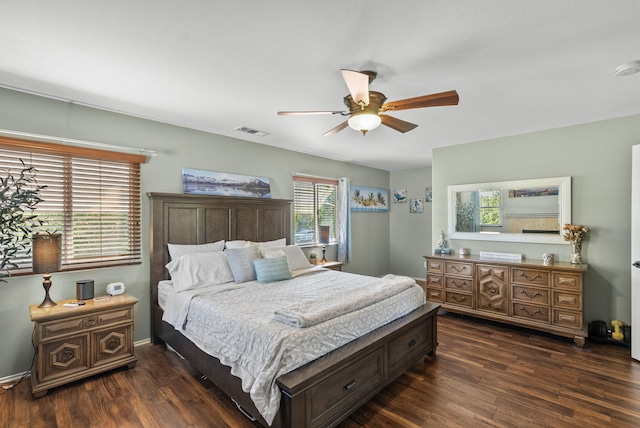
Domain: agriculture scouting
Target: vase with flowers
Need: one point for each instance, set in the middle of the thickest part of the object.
(575, 233)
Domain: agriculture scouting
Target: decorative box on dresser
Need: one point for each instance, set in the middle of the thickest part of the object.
(74, 343)
(527, 293)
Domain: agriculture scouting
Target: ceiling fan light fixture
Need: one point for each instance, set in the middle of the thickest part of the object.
(364, 122)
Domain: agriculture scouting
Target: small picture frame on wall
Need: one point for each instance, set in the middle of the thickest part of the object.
(428, 194)
(416, 205)
(400, 196)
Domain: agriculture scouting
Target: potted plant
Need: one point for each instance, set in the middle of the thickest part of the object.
(313, 258)
(19, 195)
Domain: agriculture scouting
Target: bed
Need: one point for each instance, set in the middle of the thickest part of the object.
(327, 389)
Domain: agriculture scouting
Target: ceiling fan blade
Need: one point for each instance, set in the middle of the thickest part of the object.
(299, 113)
(336, 129)
(449, 98)
(358, 84)
(397, 124)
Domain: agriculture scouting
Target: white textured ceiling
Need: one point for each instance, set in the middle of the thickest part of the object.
(519, 66)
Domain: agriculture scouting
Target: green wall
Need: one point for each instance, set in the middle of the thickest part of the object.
(410, 233)
(178, 147)
(598, 158)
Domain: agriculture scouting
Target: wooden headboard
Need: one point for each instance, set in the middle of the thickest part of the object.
(199, 219)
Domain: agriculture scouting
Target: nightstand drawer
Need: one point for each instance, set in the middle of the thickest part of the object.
(63, 357)
(111, 344)
(64, 326)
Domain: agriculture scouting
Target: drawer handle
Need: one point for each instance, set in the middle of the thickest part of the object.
(492, 290)
(536, 312)
(411, 343)
(112, 344)
(435, 280)
(67, 355)
(456, 268)
(349, 385)
(459, 300)
(464, 283)
(533, 278)
(90, 322)
(533, 296)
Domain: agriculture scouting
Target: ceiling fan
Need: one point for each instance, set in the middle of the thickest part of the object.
(365, 106)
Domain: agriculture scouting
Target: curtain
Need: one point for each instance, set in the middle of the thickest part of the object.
(344, 220)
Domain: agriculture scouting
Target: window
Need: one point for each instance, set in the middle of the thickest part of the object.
(314, 204)
(92, 198)
(490, 207)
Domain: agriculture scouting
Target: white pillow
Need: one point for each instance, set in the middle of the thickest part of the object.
(268, 244)
(241, 263)
(177, 250)
(237, 244)
(242, 244)
(194, 270)
(295, 256)
(271, 253)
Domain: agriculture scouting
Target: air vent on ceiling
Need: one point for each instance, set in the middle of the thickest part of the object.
(251, 131)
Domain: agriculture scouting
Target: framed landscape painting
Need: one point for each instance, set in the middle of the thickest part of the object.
(199, 182)
(369, 199)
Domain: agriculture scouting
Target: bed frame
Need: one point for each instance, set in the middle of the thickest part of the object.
(324, 391)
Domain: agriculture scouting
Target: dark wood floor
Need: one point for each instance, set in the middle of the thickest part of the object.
(484, 374)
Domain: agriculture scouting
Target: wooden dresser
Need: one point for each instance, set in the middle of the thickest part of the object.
(73, 343)
(528, 293)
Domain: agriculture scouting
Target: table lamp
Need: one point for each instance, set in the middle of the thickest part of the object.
(324, 240)
(47, 258)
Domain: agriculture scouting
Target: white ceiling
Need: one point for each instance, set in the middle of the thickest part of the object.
(519, 66)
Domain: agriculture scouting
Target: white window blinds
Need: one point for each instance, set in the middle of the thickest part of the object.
(92, 197)
(314, 204)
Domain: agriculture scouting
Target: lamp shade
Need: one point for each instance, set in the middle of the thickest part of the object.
(324, 234)
(47, 252)
(364, 122)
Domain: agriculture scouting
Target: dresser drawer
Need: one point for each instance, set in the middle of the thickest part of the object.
(403, 350)
(434, 294)
(567, 300)
(567, 281)
(435, 266)
(458, 268)
(567, 318)
(459, 299)
(458, 284)
(530, 277)
(435, 280)
(64, 326)
(537, 313)
(331, 396)
(530, 294)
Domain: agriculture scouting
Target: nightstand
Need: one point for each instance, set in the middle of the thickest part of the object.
(331, 265)
(74, 343)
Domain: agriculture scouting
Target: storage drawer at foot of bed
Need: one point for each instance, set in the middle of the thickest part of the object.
(404, 350)
(338, 392)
